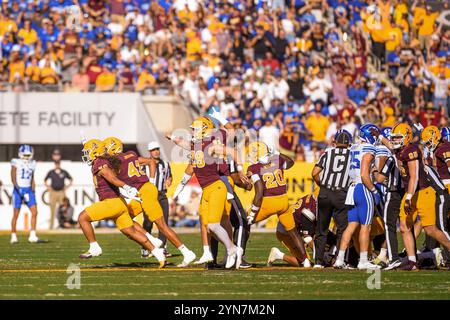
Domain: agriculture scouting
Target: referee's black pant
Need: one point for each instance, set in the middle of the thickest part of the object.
(330, 204)
(391, 212)
(148, 225)
(241, 229)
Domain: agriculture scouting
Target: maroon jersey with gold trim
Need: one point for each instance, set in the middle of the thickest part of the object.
(206, 167)
(224, 166)
(441, 157)
(104, 189)
(271, 175)
(410, 153)
(130, 171)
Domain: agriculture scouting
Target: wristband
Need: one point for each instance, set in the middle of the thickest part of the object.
(172, 137)
(374, 190)
(152, 180)
(240, 168)
(409, 196)
(254, 208)
(185, 179)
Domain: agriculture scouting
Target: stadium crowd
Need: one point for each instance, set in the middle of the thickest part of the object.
(302, 69)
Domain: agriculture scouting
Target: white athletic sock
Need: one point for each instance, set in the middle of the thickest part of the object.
(13, 235)
(149, 236)
(222, 234)
(33, 234)
(436, 250)
(206, 250)
(363, 257)
(279, 255)
(382, 254)
(341, 256)
(412, 258)
(183, 249)
(94, 246)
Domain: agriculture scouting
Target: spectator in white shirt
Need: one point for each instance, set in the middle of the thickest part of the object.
(319, 88)
(269, 134)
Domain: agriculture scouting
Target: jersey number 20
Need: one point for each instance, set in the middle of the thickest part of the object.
(274, 179)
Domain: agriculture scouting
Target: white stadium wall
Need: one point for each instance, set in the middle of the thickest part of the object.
(64, 118)
(81, 194)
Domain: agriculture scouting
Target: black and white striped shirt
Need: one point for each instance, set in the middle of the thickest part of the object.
(435, 181)
(163, 172)
(391, 171)
(335, 163)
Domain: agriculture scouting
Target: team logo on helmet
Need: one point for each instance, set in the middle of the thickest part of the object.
(113, 146)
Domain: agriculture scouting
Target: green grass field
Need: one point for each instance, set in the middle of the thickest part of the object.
(39, 272)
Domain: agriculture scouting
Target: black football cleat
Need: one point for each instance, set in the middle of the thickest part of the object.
(245, 265)
(408, 266)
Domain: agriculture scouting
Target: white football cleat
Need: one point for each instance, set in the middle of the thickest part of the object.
(306, 263)
(318, 266)
(239, 255)
(368, 266)
(273, 256)
(188, 258)
(33, 239)
(438, 257)
(158, 253)
(91, 253)
(339, 264)
(14, 239)
(205, 258)
(231, 258)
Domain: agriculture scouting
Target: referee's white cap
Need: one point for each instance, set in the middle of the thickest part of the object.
(153, 145)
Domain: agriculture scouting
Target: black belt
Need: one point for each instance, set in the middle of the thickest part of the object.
(335, 188)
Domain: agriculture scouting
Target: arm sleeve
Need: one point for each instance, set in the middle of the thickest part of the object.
(322, 160)
(68, 176)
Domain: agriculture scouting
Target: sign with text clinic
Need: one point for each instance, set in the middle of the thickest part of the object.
(61, 118)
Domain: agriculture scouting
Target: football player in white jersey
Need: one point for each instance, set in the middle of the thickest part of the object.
(362, 196)
(22, 176)
(382, 154)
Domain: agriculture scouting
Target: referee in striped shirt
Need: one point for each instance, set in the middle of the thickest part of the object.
(331, 174)
(162, 180)
(390, 176)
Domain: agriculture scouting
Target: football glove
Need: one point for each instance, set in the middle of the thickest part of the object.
(130, 193)
(218, 116)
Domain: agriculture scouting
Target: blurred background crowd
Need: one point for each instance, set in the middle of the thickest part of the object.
(294, 70)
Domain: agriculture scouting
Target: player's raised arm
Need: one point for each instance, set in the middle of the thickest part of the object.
(179, 141)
